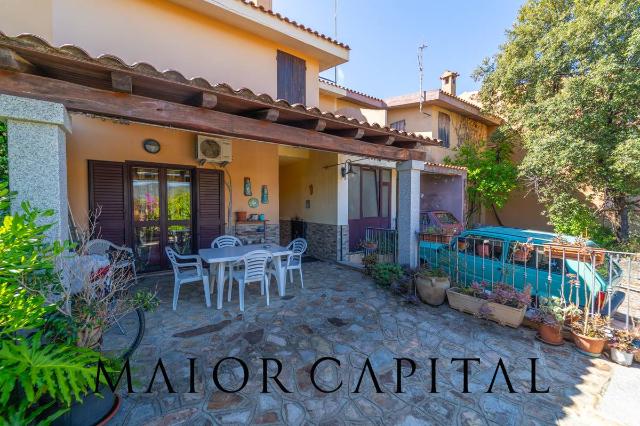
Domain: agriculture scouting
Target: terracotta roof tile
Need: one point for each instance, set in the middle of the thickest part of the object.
(331, 83)
(294, 23)
(32, 42)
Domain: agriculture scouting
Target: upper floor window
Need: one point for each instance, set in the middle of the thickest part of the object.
(292, 85)
(400, 125)
(444, 124)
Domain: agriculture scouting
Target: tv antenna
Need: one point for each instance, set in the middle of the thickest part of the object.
(421, 72)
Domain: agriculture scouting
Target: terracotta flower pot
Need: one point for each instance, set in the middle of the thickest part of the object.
(550, 334)
(592, 346)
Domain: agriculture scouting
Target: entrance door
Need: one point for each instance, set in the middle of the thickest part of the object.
(369, 202)
(161, 213)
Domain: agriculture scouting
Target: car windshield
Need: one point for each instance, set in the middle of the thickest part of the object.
(446, 218)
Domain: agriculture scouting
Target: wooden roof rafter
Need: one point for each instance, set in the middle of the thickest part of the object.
(71, 64)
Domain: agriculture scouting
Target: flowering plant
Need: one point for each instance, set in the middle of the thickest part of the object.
(551, 311)
(506, 295)
(622, 340)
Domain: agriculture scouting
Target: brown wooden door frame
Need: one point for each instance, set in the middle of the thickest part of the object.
(163, 222)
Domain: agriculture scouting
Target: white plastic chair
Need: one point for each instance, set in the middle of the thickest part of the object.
(294, 260)
(227, 241)
(194, 272)
(102, 247)
(255, 270)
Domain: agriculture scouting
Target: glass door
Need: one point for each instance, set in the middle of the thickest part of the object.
(369, 202)
(162, 213)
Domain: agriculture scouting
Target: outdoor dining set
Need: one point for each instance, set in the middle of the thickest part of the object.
(235, 262)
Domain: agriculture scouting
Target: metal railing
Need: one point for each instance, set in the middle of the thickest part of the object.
(383, 242)
(605, 279)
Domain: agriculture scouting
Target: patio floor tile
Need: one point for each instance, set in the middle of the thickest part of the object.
(342, 314)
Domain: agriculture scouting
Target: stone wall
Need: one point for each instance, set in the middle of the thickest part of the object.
(330, 242)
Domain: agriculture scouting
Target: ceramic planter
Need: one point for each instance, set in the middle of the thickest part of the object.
(432, 290)
(621, 357)
(463, 302)
(636, 356)
(550, 334)
(92, 410)
(506, 315)
(592, 346)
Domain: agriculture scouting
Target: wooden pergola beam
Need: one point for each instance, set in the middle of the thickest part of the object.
(380, 140)
(267, 114)
(121, 82)
(205, 100)
(164, 113)
(10, 60)
(317, 125)
(354, 133)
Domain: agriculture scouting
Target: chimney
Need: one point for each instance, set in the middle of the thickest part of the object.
(264, 3)
(449, 82)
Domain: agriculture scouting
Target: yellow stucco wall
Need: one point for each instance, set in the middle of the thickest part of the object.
(427, 124)
(295, 178)
(158, 32)
(100, 139)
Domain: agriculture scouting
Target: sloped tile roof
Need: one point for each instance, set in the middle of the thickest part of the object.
(294, 23)
(26, 43)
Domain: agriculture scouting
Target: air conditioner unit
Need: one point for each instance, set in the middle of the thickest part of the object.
(211, 149)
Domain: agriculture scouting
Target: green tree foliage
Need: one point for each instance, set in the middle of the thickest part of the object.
(568, 80)
(35, 373)
(491, 175)
(4, 160)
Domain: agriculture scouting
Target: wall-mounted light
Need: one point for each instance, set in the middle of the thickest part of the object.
(347, 169)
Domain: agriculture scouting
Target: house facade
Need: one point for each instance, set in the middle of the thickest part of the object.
(118, 108)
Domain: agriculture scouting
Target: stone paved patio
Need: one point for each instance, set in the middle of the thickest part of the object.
(341, 313)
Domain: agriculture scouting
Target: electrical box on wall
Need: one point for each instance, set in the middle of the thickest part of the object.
(211, 149)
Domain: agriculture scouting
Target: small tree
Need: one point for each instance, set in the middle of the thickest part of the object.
(568, 80)
(491, 175)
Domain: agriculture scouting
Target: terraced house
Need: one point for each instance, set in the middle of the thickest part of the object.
(177, 121)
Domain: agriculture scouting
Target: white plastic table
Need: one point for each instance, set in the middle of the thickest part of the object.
(222, 256)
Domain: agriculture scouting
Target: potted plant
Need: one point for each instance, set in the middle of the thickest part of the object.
(432, 285)
(467, 299)
(369, 261)
(560, 248)
(42, 371)
(550, 317)
(589, 333)
(622, 347)
(369, 246)
(384, 274)
(507, 305)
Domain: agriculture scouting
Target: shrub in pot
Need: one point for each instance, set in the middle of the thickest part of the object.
(467, 299)
(369, 261)
(432, 285)
(384, 274)
(589, 333)
(550, 317)
(507, 305)
(622, 347)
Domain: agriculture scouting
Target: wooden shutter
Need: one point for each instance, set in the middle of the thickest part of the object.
(107, 194)
(444, 123)
(292, 82)
(210, 206)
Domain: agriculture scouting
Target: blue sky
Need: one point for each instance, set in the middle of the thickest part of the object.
(384, 36)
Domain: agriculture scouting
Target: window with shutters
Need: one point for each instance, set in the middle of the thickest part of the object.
(108, 201)
(444, 124)
(291, 78)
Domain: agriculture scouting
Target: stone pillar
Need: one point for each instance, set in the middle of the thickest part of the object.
(36, 137)
(409, 211)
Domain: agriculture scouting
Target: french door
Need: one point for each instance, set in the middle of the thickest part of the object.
(369, 202)
(161, 213)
